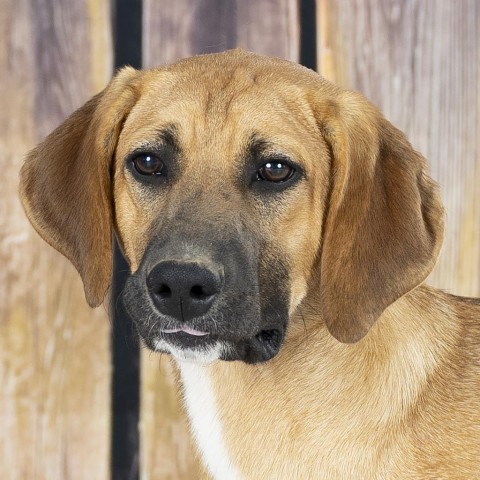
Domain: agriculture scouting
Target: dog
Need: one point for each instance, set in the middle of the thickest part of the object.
(278, 231)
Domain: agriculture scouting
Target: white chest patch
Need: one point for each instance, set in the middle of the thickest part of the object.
(203, 415)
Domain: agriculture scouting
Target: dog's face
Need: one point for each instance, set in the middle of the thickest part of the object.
(237, 186)
(219, 190)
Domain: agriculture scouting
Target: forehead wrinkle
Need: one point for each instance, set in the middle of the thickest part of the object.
(224, 91)
(223, 130)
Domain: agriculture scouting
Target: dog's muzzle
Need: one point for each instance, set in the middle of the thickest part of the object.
(206, 303)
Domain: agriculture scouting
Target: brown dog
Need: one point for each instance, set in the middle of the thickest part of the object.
(272, 218)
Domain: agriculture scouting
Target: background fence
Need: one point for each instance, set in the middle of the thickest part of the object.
(418, 60)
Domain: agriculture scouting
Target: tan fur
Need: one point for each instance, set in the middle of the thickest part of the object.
(400, 404)
(359, 234)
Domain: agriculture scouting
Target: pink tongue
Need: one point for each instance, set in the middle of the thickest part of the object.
(188, 330)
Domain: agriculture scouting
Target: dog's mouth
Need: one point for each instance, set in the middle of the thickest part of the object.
(187, 337)
(259, 348)
(188, 330)
(185, 340)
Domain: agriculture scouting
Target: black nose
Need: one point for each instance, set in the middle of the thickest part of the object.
(183, 290)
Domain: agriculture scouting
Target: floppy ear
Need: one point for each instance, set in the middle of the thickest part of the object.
(65, 184)
(384, 225)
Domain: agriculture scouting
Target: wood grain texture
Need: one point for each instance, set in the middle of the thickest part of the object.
(54, 350)
(174, 30)
(419, 61)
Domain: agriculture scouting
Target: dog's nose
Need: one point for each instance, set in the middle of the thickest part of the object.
(183, 290)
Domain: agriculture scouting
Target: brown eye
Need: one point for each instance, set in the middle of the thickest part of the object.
(148, 164)
(275, 172)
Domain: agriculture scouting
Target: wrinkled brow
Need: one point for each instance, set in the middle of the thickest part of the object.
(169, 136)
(258, 147)
(165, 137)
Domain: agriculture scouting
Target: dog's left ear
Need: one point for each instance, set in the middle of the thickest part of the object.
(384, 225)
(65, 183)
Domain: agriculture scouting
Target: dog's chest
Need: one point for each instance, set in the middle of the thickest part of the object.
(203, 414)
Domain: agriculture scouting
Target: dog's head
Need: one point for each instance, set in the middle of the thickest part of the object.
(238, 186)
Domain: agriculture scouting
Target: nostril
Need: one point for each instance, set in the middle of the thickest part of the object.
(163, 291)
(183, 290)
(197, 292)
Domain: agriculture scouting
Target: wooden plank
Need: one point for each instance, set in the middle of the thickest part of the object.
(418, 60)
(173, 30)
(183, 28)
(54, 350)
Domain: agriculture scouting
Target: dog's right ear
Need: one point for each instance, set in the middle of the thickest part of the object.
(65, 183)
(384, 224)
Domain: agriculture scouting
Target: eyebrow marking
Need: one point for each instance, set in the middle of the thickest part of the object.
(259, 148)
(169, 136)
(166, 137)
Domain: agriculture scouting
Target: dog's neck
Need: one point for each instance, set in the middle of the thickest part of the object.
(399, 347)
(317, 383)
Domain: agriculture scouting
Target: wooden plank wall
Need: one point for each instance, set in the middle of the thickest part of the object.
(54, 350)
(418, 60)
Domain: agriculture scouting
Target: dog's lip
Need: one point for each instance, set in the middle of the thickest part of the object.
(185, 329)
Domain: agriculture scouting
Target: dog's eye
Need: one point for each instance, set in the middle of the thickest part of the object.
(148, 164)
(275, 172)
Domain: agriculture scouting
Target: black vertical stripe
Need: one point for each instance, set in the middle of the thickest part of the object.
(127, 24)
(127, 31)
(308, 34)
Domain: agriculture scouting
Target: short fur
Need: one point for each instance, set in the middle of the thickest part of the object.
(370, 375)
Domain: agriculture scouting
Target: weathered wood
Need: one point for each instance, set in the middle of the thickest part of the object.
(183, 28)
(419, 62)
(173, 30)
(54, 350)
